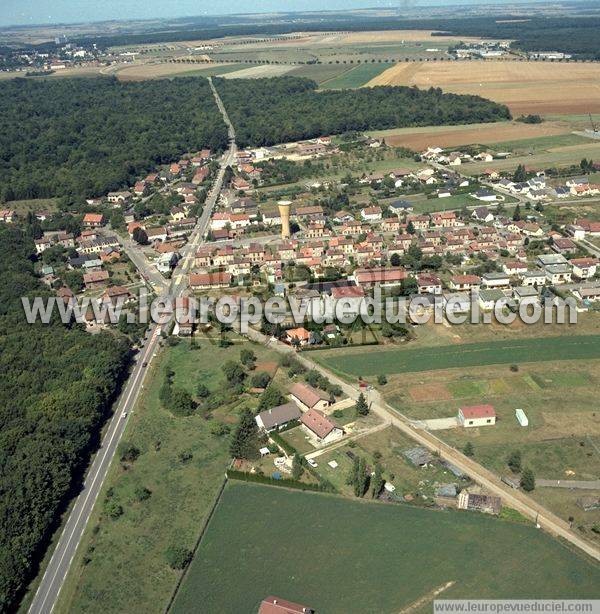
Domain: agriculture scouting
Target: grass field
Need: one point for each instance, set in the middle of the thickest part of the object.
(554, 157)
(526, 87)
(120, 564)
(400, 360)
(338, 556)
(355, 77)
(319, 72)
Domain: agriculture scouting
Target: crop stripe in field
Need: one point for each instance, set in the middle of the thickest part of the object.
(541, 349)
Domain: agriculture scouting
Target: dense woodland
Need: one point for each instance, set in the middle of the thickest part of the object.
(534, 32)
(84, 137)
(56, 388)
(269, 111)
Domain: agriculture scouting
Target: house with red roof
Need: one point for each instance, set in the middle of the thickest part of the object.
(276, 605)
(93, 220)
(321, 427)
(308, 397)
(477, 415)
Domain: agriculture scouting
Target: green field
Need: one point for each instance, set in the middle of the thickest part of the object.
(340, 556)
(120, 564)
(319, 72)
(355, 77)
(211, 71)
(400, 360)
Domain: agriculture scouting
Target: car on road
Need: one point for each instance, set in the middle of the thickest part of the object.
(144, 364)
(123, 415)
(312, 463)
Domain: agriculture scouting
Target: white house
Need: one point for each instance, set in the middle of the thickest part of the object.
(477, 415)
(371, 214)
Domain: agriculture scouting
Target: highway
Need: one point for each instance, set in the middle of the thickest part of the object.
(53, 579)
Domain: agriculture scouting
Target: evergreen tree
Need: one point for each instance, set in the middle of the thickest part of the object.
(297, 468)
(514, 461)
(517, 213)
(361, 482)
(520, 174)
(362, 407)
(527, 480)
(377, 481)
(244, 443)
(469, 450)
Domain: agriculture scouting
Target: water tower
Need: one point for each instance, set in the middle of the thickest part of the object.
(284, 212)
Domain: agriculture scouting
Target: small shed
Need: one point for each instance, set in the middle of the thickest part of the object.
(446, 490)
(419, 456)
(522, 418)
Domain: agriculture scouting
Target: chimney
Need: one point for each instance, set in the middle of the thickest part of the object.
(284, 212)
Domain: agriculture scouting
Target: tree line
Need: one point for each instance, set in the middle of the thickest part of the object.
(55, 392)
(81, 138)
(577, 34)
(281, 109)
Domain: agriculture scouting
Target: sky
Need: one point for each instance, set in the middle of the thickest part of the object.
(20, 12)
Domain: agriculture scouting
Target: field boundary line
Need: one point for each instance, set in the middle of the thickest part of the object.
(197, 544)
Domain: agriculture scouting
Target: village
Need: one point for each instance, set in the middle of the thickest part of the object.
(340, 237)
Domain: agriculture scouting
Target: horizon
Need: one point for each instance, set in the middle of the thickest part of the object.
(19, 13)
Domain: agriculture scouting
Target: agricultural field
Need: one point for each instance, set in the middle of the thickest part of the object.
(373, 361)
(566, 155)
(419, 139)
(259, 72)
(355, 77)
(120, 564)
(337, 47)
(562, 441)
(373, 562)
(526, 87)
(168, 69)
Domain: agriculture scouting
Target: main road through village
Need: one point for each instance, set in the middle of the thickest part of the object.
(54, 576)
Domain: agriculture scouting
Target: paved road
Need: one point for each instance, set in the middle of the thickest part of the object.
(515, 499)
(53, 579)
(47, 593)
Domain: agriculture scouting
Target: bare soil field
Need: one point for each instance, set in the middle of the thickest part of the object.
(142, 72)
(430, 392)
(526, 87)
(445, 136)
(258, 72)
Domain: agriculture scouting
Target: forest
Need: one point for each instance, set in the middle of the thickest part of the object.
(283, 109)
(55, 392)
(534, 32)
(81, 138)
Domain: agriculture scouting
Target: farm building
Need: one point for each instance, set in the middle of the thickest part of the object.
(278, 417)
(522, 419)
(479, 503)
(476, 415)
